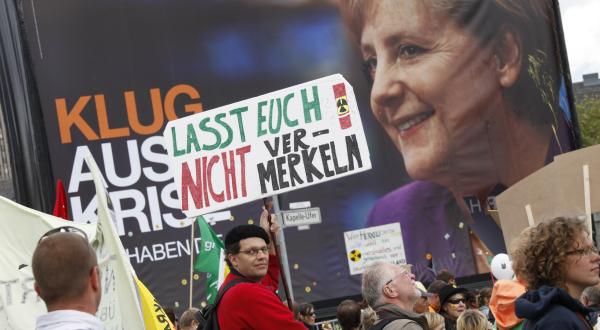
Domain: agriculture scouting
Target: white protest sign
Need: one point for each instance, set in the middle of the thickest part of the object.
(367, 246)
(270, 144)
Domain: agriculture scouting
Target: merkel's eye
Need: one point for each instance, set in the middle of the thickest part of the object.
(370, 65)
(409, 51)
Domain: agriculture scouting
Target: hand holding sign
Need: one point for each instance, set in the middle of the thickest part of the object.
(271, 226)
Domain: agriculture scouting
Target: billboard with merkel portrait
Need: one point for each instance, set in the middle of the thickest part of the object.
(458, 99)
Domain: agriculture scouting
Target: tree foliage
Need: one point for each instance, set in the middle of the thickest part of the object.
(588, 111)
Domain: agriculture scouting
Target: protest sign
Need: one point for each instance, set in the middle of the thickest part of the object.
(369, 245)
(266, 145)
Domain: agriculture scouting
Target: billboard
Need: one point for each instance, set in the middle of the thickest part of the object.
(460, 102)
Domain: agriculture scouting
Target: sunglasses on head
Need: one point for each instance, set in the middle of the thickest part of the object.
(64, 229)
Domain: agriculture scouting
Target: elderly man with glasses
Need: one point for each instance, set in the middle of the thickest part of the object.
(67, 279)
(391, 291)
(253, 303)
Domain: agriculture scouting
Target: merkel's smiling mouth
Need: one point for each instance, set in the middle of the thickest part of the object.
(409, 122)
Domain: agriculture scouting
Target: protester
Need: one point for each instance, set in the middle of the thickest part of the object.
(190, 319)
(453, 304)
(557, 260)
(421, 306)
(469, 95)
(472, 296)
(591, 297)
(170, 312)
(473, 319)
(390, 290)
(502, 304)
(306, 315)
(254, 304)
(368, 317)
(434, 320)
(348, 314)
(434, 299)
(67, 278)
(484, 303)
(446, 276)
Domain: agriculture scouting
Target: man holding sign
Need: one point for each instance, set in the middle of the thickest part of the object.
(253, 303)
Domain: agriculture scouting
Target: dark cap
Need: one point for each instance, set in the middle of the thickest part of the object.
(245, 231)
(448, 291)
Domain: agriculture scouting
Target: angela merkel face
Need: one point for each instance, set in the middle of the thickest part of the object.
(435, 87)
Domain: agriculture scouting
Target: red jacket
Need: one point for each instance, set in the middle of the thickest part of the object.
(255, 305)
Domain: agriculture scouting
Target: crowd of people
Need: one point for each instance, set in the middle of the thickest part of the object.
(556, 286)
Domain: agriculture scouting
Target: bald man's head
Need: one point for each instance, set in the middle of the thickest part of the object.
(63, 264)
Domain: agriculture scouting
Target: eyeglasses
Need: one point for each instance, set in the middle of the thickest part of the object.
(457, 301)
(399, 275)
(254, 251)
(64, 229)
(584, 251)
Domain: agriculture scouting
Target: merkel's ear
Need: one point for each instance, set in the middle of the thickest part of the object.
(36, 287)
(509, 56)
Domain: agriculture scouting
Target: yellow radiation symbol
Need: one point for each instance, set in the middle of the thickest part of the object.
(355, 255)
(342, 106)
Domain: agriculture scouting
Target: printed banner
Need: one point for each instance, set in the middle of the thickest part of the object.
(447, 129)
(267, 145)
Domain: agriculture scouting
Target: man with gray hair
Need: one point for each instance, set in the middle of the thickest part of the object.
(391, 291)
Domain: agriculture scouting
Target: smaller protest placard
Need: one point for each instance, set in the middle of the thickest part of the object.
(367, 246)
(267, 145)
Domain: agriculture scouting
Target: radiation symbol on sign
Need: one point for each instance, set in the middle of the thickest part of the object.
(342, 106)
(355, 255)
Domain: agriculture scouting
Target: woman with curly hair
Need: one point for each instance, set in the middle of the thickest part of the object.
(557, 260)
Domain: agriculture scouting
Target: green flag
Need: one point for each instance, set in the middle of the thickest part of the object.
(208, 259)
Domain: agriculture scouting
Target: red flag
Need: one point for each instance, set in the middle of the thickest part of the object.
(60, 205)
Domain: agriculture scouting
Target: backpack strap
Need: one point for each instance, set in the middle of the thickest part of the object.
(228, 286)
(211, 316)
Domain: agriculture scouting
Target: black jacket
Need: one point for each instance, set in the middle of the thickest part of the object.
(553, 308)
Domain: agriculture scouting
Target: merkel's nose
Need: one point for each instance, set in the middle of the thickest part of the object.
(388, 88)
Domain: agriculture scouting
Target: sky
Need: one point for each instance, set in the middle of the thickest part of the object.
(581, 25)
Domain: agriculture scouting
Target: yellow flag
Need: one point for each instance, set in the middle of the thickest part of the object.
(154, 316)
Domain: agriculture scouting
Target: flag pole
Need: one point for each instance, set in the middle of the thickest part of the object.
(268, 205)
(192, 245)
